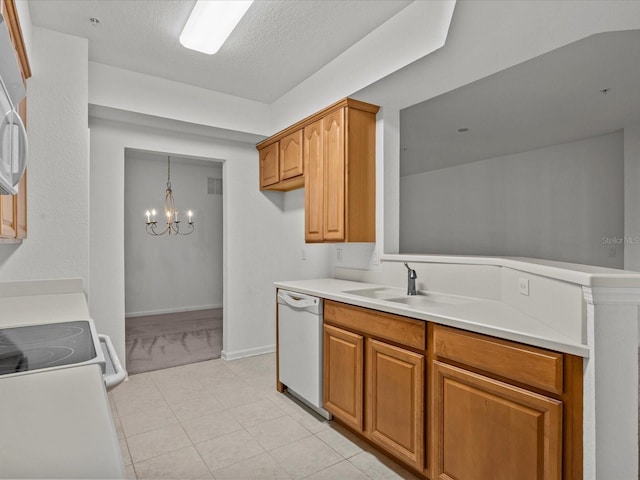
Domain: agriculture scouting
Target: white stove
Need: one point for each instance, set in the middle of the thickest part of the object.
(54, 368)
(42, 332)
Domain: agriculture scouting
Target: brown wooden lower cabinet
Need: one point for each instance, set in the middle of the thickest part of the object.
(453, 405)
(395, 401)
(344, 375)
(392, 413)
(486, 429)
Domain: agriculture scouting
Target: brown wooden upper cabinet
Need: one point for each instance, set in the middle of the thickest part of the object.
(13, 208)
(331, 154)
(291, 163)
(281, 164)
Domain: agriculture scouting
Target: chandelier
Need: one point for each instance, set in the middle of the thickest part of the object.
(173, 224)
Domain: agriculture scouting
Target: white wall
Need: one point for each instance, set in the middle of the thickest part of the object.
(632, 198)
(263, 234)
(179, 272)
(58, 164)
(556, 203)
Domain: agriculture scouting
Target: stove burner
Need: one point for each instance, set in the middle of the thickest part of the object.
(43, 346)
(55, 332)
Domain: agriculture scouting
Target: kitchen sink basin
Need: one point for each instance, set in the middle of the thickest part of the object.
(397, 295)
(427, 300)
(379, 293)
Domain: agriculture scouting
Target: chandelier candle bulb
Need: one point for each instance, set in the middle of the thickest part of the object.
(190, 214)
(153, 215)
(148, 216)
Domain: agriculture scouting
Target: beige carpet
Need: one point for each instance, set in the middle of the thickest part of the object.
(161, 341)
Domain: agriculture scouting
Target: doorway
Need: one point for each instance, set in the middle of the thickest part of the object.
(173, 283)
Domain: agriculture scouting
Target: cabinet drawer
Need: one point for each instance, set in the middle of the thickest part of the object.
(528, 365)
(405, 331)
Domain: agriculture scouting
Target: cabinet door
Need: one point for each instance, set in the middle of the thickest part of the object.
(489, 429)
(291, 164)
(313, 183)
(395, 401)
(343, 375)
(269, 165)
(20, 200)
(334, 176)
(20, 206)
(7, 217)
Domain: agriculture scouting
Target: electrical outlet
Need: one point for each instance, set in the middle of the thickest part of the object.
(338, 255)
(523, 286)
(303, 254)
(375, 258)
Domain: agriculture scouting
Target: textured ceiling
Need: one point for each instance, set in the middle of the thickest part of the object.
(551, 99)
(277, 45)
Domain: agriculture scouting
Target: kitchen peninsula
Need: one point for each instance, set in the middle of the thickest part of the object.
(527, 344)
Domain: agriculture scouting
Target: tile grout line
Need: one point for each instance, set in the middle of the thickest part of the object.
(246, 376)
(248, 458)
(113, 403)
(155, 429)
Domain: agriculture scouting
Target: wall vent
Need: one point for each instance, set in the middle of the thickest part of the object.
(214, 186)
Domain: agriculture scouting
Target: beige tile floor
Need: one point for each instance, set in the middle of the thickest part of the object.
(225, 420)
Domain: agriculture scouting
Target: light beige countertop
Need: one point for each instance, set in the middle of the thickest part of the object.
(489, 317)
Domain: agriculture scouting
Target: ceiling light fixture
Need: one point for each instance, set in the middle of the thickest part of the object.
(211, 23)
(173, 224)
(463, 130)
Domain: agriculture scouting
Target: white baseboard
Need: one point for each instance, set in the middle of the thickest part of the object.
(250, 352)
(171, 310)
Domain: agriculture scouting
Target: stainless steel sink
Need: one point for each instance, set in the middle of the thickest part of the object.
(428, 300)
(379, 293)
(397, 295)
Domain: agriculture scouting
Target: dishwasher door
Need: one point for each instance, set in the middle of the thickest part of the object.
(300, 346)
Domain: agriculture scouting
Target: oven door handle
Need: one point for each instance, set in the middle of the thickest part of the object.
(113, 380)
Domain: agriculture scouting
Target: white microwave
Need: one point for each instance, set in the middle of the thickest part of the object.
(13, 135)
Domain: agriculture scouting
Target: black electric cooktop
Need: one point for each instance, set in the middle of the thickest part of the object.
(35, 347)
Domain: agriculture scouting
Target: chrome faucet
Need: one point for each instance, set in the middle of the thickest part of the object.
(411, 280)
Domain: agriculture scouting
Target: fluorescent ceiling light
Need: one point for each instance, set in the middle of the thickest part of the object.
(211, 22)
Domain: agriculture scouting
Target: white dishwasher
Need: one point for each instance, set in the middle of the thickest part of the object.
(300, 347)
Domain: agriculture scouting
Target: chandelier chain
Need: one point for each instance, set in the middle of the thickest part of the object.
(169, 172)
